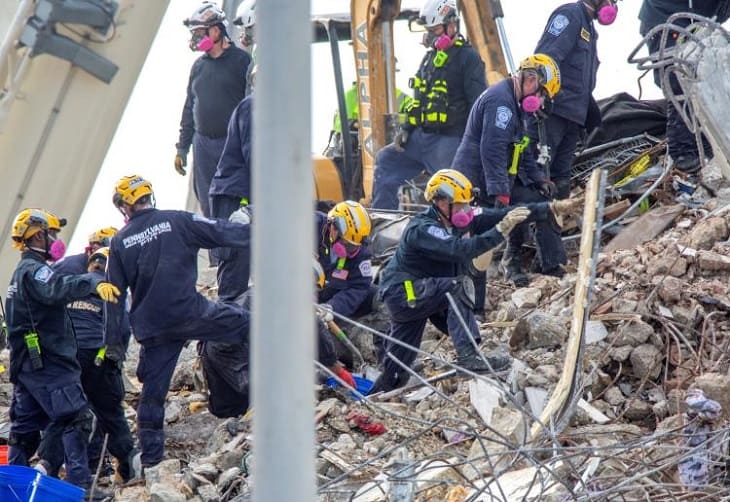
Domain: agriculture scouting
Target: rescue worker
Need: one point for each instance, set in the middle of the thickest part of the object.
(492, 155)
(570, 40)
(230, 192)
(681, 142)
(45, 373)
(246, 20)
(155, 256)
(431, 260)
(101, 380)
(79, 263)
(215, 87)
(449, 80)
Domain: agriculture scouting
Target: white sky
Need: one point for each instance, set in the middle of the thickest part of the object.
(145, 140)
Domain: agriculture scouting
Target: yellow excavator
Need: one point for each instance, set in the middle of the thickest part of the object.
(369, 25)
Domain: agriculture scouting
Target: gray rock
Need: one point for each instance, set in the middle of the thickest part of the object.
(229, 459)
(164, 472)
(173, 411)
(637, 410)
(622, 353)
(624, 306)
(632, 333)
(646, 361)
(227, 477)
(614, 396)
(526, 297)
(595, 332)
(706, 232)
(161, 492)
(671, 289)
(716, 386)
(543, 330)
(208, 493)
(207, 470)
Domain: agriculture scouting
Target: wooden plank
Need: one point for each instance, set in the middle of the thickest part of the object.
(648, 226)
(554, 409)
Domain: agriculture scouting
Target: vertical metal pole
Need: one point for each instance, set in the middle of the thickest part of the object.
(283, 243)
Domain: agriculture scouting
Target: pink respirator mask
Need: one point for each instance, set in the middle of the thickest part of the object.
(607, 14)
(200, 42)
(344, 250)
(531, 104)
(462, 219)
(57, 250)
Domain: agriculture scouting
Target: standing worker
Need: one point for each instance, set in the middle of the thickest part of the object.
(155, 256)
(681, 142)
(217, 84)
(449, 80)
(246, 20)
(570, 40)
(44, 370)
(494, 157)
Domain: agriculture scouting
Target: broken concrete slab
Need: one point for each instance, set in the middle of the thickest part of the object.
(706, 233)
(647, 227)
(526, 297)
(646, 361)
(711, 261)
(536, 399)
(484, 397)
(595, 332)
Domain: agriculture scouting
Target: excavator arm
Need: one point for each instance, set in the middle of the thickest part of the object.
(483, 25)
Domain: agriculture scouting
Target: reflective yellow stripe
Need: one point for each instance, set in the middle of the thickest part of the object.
(341, 263)
(410, 294)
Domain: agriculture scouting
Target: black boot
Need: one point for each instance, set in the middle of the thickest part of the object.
(512, 269)
(474, 362)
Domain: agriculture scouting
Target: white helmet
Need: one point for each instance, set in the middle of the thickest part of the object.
(435, 12)
(246, 14)
(205, 16)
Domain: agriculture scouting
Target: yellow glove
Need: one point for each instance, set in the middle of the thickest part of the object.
(564, 207)
(511, 220)
(108, 292)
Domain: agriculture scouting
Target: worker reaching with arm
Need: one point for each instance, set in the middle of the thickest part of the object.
(570, 39)
(431, 260)
(493, 155)
(155, 256)
(448, 81)
(44, 370)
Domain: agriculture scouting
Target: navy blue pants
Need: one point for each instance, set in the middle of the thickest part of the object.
(51, 397)
(206, 153)
(221, 322)
(680, 140)
(562, 138)
(234, 264)
(407, 324)
(423, 152)
(104, 388)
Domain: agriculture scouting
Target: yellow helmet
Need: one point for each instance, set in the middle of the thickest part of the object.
(351, 220)
(130, 189)
(31, 221)
(450, 184)
(319, 276)
(102, 236)
(99, 254)
(548, 73)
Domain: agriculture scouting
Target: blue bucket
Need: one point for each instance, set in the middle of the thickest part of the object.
(16, 482)
(363, 385)
(45, 488)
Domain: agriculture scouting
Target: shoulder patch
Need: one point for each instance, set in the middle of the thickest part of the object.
(43, 274)
(504, 115)
(438, 232)
(203, 219)
(560, 22)
(366, 268)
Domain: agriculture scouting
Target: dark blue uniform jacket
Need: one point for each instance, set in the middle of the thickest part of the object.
(233, 174)
(36, 302)
(74, 264)
(348, 279)
(428, 249)
(495, 125)
(654, 12)
(570, 39)
(155, 255)
(215, 87)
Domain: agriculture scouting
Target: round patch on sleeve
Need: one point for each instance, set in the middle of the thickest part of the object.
(366, 268)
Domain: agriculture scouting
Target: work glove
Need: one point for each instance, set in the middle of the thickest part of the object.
(400, 140)
(564, 207)
(548, 189)
(325, 312)
(181, 160)
(344, 375)
(241, 215)
(115, 353)
(501, 201)
(511, 220)
(108, 292)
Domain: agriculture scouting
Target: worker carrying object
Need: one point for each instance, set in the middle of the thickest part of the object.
(570, 39)
(681, 142)
(155, 256)
(448, 81)
(494, 154)
(44, 371)
(217, 84)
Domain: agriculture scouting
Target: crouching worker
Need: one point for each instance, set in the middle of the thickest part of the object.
(44, 371)
(155, 256)
(432, 260)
